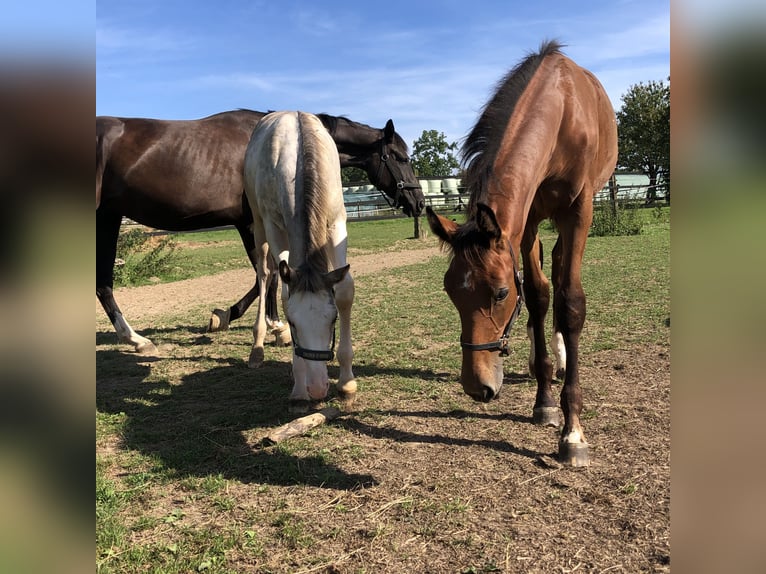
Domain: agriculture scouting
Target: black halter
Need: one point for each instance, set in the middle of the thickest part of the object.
(401, 185)
(311, 354)
(502, 343)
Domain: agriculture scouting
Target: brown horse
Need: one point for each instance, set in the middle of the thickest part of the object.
(544, 144)
(186, 175)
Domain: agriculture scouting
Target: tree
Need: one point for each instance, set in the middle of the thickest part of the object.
(432, 156)
(350, 175)
(643, 128)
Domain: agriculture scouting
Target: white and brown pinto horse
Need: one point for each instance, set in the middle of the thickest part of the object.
(544, 144)
(293, 186)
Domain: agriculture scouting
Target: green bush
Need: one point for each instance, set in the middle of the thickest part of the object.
(615, 219)
(140, 256)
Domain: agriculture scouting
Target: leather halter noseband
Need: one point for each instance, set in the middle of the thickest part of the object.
(502, 343)
(400, 183)
(312, 354)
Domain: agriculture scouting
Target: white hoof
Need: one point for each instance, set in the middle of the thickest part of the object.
(347, 388)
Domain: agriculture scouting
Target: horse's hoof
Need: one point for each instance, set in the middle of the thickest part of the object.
(147, 348)
(256, 358)
(347, 401)
(219, 320)
(347, 388)
(546, 416)
(298, 406)
(347, 393)
(574, 453)
(560, 374)
(282, 336)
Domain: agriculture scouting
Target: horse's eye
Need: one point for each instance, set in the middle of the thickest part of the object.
(501, 294)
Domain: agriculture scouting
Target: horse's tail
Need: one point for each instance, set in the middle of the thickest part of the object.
(108, 129)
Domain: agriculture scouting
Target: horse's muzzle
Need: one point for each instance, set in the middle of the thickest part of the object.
(412, 201)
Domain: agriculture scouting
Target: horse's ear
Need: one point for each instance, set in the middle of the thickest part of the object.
(285, 272)
(389, 131)
(336, 275)
(487, 222)
(442, 227)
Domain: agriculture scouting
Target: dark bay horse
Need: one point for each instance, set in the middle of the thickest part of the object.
(293, 187)
(186, 175)
(544, 144)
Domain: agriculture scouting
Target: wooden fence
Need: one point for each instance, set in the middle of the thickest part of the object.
(366, 202)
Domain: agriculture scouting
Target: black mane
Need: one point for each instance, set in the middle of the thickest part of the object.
(481, 145)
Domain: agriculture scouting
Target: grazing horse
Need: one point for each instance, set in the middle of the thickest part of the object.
(544, 144)
(186, 175)
(293, 187)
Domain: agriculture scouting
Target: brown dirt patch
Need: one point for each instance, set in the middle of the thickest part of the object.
(225, 288)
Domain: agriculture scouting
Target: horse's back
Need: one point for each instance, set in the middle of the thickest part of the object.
(568, 112)
(285, 151)
(173, 174)
(589, 125)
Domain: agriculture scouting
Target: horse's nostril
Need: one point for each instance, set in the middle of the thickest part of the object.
(487, 394)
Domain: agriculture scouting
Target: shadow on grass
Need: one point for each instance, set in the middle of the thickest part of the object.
(201, 426)
(210, 422)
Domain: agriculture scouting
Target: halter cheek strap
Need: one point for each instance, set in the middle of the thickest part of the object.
(400, 183)
(502, 343)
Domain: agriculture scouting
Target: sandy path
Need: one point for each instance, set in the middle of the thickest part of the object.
(223, 289)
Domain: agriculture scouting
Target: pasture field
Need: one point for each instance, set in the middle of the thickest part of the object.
(416, 477)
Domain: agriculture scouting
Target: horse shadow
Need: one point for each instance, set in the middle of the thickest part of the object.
(210, 422)
(206, 424)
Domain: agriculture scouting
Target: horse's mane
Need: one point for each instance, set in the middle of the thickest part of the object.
(331, 123)
(314, 206)
(482, 144)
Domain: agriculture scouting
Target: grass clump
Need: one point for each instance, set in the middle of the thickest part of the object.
(141, 256)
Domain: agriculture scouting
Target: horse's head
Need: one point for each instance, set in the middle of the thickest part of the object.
(394, 173)
(483, 283)
(311, 313)
(385, 159)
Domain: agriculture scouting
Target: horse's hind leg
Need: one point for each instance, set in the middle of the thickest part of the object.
(537, 294)
(107, 231)
(280, 329)
(221, 319)
(569, 311)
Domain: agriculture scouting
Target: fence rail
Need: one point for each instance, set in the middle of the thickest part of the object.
(371, 204)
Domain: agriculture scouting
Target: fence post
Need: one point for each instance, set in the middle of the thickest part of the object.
(613, 195)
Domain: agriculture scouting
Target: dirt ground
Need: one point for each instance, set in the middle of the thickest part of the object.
(171, 297)
(466, 490)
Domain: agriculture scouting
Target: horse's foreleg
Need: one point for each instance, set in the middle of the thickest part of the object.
(107, 231)
(259, 327)
(280, 330)
(344, 299)
(537, 295)
(569, 311)
(557, 340)
(221, 319)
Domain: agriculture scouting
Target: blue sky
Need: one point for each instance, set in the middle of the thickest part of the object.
(426, 64)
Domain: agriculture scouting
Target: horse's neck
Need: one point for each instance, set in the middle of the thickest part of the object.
(355, 139)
